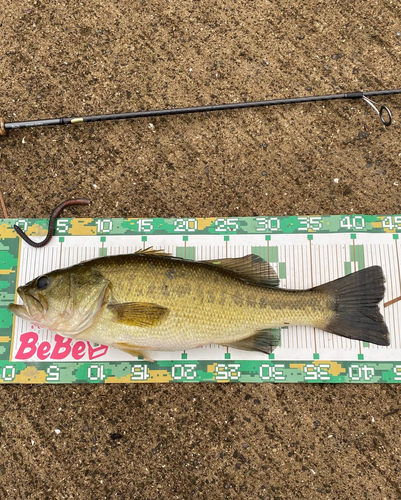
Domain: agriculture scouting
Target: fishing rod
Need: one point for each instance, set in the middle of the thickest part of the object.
(383, 111)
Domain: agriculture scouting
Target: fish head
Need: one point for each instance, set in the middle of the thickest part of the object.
(66, 301)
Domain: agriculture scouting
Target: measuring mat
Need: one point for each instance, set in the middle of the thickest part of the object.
(305, 252)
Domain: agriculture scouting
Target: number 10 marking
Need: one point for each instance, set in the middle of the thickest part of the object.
(104, 225)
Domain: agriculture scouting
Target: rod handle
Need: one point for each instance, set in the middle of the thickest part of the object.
(3, 130)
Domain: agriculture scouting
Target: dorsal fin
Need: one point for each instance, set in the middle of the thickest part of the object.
(152, 251)
(251, 268)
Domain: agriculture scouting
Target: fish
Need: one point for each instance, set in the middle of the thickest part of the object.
(153, 301)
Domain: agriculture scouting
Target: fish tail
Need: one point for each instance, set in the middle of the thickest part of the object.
(355, 299)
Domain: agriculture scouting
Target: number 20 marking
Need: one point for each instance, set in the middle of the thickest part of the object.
(185, 225)
(186, 372)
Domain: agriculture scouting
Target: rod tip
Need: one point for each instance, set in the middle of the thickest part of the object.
(3, 130)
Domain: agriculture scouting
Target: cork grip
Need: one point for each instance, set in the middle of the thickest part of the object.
(3, 131)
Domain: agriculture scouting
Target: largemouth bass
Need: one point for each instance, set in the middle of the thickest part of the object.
(152, 301)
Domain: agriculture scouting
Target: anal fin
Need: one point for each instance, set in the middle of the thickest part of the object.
(263, 340)
(133, 350)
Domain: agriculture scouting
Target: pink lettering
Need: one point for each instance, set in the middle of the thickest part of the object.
(27, 348)
(44, 350)
(62, 348)
(78, 350)
(96, 352)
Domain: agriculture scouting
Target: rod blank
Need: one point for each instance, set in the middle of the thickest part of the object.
(5, 126)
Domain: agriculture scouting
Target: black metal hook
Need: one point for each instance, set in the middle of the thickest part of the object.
(56, 212)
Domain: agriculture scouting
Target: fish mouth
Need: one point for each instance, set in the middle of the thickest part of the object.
(31, 310)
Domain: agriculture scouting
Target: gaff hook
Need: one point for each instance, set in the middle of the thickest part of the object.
(380, 111)
(56, 212)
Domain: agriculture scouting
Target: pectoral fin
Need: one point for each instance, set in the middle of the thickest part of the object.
(133, 350)
(263, 340)
(138, 313)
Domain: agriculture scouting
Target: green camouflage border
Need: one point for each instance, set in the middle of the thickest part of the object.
(316, 371)
(217, 225)
(227, 370)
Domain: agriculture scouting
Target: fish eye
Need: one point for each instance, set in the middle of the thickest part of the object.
(42, 282)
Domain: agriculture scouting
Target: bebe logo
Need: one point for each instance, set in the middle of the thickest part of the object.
(61, 350)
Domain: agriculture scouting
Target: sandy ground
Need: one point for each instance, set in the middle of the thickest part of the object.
(200, 441)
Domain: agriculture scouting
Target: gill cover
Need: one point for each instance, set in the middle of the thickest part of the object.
(87, 292)
(65, 301)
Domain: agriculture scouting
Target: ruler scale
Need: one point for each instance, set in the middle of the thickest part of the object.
(305, 252)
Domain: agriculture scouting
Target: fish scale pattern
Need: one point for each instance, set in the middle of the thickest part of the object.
(206, 303)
